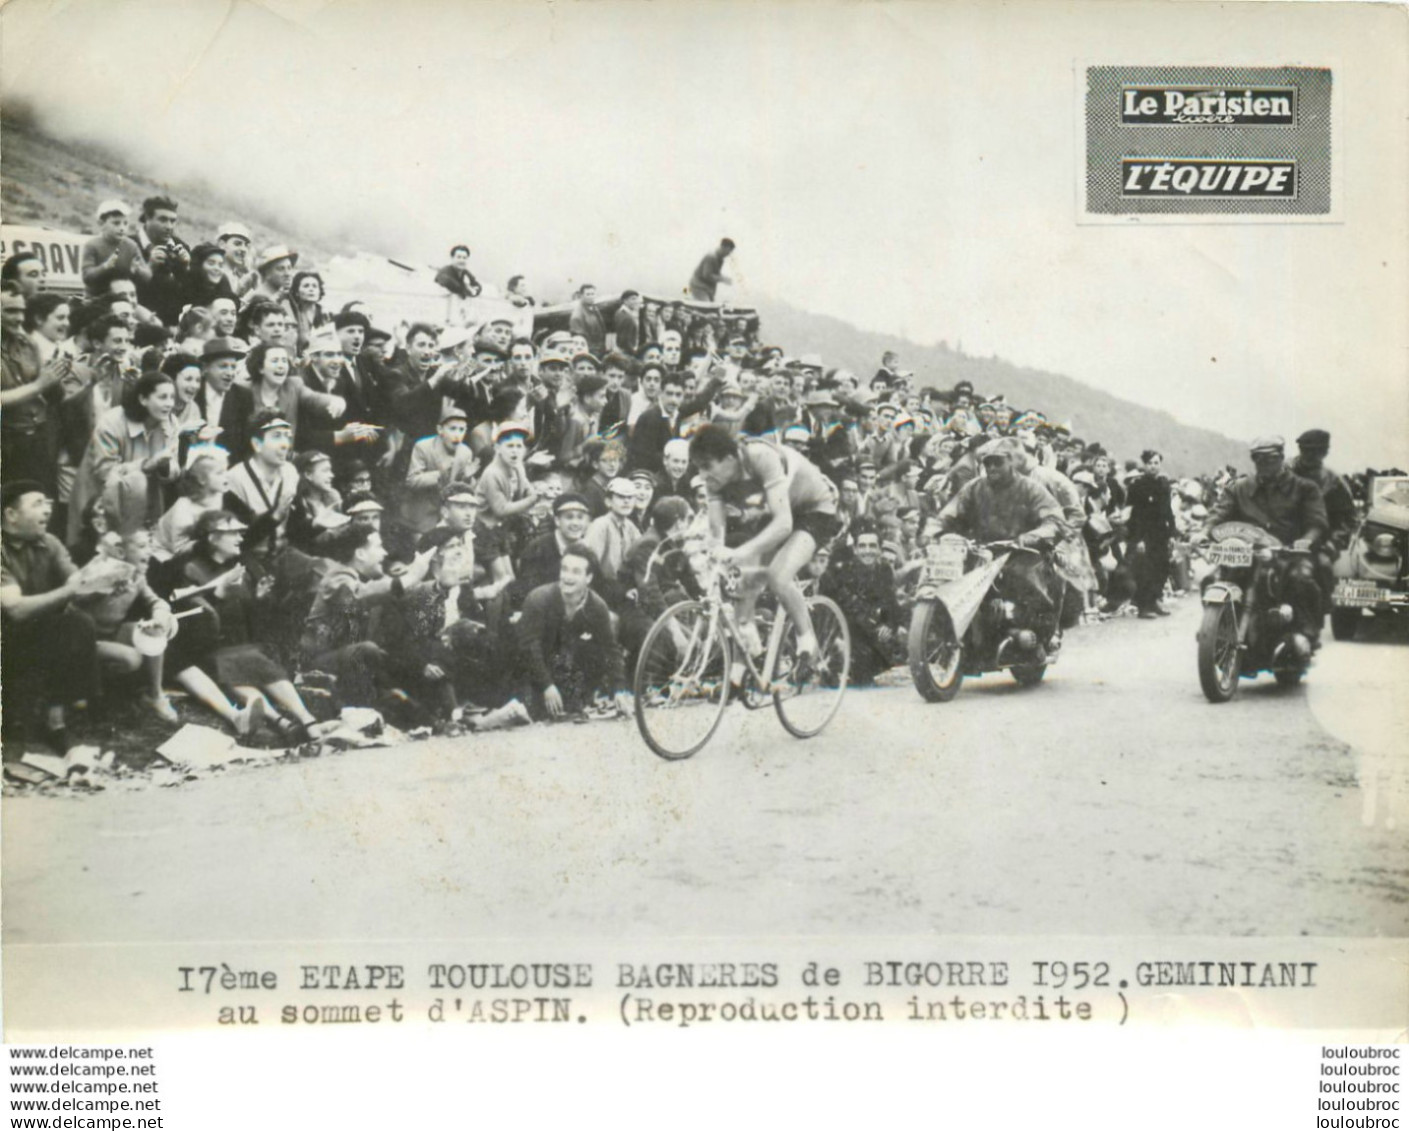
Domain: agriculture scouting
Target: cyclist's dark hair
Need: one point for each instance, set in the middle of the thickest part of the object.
(711, 444)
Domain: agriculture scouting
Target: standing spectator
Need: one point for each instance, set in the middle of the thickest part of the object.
(206, 280)
(568, 642)
(582, 424)
(657, 426)
(112, 253)
(235, 241)
(1149, 531)
(710, 272)
(168, 256)
(275, 267)
(26, 271)
(508, 494)
(30, 394)
(277, 389)
(587, 320)
(626, 324)
(306, 299)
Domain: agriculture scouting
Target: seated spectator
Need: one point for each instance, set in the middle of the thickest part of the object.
(25, 270)
(262, 488)
(337, 634)
(50, 657)
(241, 661)
(277, 389)
(442, 640)
(517, 292)
(455, 276)
(31, 391)
(132, 457)
(568, 643)
(674, 478)
(611, 537)
(508, 494)
(202, 486)
(48, 321)
(864, 588)
(317, 514)
(656, 572)
(435, 462)
(538, 565)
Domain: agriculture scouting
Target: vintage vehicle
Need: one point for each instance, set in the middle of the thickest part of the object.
(963, 625)
(1248, 626)
(1373, 573)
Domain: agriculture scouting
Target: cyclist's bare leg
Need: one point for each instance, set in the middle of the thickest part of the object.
(792, 555)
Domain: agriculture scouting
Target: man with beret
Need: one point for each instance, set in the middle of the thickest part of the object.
(50, 656)
(1290, 508)
(541, 557)
(1148, 533)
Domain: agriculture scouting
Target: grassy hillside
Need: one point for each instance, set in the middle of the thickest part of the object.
(58, 184)
(1125, 428)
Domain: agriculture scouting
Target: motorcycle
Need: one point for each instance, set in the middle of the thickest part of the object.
(963, 625)
(1248, 627)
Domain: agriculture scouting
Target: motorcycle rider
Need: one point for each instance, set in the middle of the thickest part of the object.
(1003, 506)
(1310, 463)
(1291, 509)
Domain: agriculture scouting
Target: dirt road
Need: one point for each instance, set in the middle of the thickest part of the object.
(1110, 799)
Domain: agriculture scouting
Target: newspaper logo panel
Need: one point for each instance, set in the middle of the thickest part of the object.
(1208, 142)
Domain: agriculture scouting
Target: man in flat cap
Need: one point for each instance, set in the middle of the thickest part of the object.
(1287, 506)
(1313, 446)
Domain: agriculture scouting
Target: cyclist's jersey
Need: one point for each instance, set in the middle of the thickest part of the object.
(765, 464)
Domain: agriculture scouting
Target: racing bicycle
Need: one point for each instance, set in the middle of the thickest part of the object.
(694, 660)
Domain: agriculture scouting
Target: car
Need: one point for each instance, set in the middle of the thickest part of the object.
(1373, 573)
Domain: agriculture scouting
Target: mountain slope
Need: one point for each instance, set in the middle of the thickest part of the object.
(50, 182)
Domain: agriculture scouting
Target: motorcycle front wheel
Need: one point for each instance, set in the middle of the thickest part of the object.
(936, 656)
(1218, 653)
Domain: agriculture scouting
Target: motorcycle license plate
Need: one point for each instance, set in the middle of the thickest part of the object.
(1232, 554)
(946, 569)
(1358, 594)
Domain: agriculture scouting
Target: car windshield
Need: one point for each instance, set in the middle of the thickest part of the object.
(1391, 492)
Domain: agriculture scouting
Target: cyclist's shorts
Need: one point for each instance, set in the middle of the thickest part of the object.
(822, 527)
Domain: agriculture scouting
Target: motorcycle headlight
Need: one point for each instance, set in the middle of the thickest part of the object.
(1382, 546)
(1283, 613)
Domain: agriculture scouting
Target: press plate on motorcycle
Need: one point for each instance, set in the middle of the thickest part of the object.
(1230, 552)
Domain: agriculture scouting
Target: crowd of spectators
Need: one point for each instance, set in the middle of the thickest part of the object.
(216, 480)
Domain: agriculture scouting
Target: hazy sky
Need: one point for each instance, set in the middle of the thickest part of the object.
(909, 167)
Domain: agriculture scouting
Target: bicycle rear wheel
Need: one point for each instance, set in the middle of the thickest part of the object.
(682, 680)
(805, 707)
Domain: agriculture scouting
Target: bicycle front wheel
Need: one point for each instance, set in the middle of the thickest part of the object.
(682, 680)
(807, 705)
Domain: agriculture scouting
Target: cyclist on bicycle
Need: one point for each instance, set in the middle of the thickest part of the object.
(800, 507)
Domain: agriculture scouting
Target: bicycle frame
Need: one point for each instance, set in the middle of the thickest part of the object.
(721, 609)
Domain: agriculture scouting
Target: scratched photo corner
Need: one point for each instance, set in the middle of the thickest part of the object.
(678, 515)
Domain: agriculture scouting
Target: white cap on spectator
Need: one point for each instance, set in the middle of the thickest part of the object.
(275, 253)
(108, 207)
(324, 340)
(233, 228)
(623, 487)
(452, 337)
